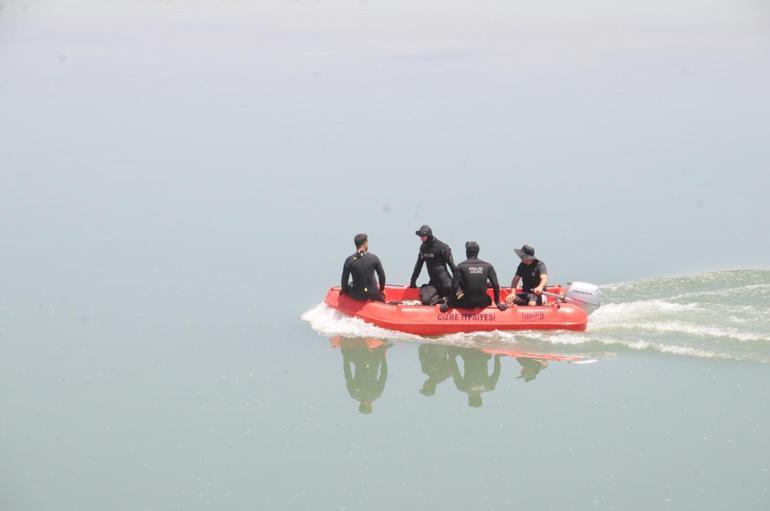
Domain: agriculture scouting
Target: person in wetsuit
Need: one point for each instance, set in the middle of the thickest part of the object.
(436, 363)
(534, 276)
(470, 282)
(362, 266)
(436, 255)
(475, 378)
(366, 371)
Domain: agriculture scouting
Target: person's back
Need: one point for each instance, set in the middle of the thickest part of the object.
(475, 377)
(366, 379)
(474, 274)
(366, 371)
(471, 280)
(362, 267)
(436, 363)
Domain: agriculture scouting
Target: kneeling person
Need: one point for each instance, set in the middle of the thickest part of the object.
(470, 282)
(362, 265)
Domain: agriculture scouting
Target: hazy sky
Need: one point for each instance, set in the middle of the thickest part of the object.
(621, 139)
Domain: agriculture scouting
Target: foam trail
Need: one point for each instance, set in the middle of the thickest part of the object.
(617, 313)
(640, 345)
(328, 321)
(696, 330)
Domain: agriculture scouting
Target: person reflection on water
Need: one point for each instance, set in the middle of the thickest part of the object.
(436, 363)
(366, 370)
(362, 266)
(476, 378)
(530, 367)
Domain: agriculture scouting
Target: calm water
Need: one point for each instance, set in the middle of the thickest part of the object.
(180, 184)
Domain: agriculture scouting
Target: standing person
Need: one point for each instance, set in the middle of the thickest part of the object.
(534, 276)
(470, 282)
(437, 256)
(362, 266)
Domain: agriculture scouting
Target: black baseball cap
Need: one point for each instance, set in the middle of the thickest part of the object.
(424, 230)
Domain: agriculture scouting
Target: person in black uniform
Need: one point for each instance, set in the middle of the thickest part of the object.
(470, 282)
(362, 265)
(534, 276)
(436, 362)
(475, 377)
(365, 369)
(437, 256)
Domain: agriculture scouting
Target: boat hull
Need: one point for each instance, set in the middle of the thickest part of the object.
(429, 320)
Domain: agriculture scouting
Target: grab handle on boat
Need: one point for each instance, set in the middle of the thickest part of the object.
(554, 295)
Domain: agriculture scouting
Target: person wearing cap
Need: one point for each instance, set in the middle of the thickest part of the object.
(362, 266)
(533, 275)
(471, 280)
(437, 256)
(530, 367)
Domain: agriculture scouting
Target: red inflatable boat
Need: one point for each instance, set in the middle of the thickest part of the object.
(563, 313)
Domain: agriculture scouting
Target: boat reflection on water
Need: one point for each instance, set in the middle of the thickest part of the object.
(470, 368)
(473, 371)
(365, 368)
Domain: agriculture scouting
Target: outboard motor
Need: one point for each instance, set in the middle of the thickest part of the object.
(584, 295)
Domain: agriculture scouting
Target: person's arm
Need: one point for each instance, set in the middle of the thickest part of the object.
(457, 281)
(543, 278)
(416, 272)
(511, 297)
(383, 374)
(495, 373)
(456, 376)
(449, 260)
(345, 277)
(346, 368)
(380, 274)
(495, 285)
